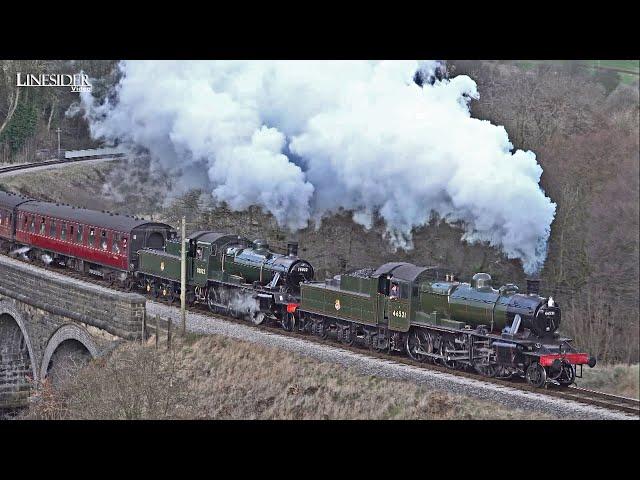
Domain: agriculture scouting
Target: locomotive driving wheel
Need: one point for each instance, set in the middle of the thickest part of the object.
(536, 375)
(444, 346)
(418, 343)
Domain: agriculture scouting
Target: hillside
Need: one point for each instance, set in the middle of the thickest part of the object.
(218, 378)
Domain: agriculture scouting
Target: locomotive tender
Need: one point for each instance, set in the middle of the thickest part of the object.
(422, 311)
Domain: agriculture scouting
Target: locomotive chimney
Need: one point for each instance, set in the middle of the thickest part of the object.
(533, 286)
(292, 249)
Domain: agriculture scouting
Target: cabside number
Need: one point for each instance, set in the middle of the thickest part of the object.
(201, 271)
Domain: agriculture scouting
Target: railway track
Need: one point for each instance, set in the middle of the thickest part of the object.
(604, 400)
(27, 166)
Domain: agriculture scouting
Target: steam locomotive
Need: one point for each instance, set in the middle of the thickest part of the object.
(427, 313)
(424, 312)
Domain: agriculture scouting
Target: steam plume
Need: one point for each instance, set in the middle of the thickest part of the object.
(304, 140)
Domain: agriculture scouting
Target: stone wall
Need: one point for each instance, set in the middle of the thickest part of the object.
(46, 316)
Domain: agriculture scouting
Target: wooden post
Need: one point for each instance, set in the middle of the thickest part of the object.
(157, 329)
(183, 278)
(169, 333)
(144, 327)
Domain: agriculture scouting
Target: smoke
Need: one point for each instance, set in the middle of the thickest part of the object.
(306, 139)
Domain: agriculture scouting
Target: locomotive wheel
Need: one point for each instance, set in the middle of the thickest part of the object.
(320, 330)
(172, 296)
(288, 322)
(257, 318)
(486, 370)
(129, 284)
(567, 375)
(419, 340)
(190, 298)
(347, 335)
(536, 375)
(444, 346)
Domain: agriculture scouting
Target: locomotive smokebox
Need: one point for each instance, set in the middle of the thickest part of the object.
(292, 249)
(533, 286)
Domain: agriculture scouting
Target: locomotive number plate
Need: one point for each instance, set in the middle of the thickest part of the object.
(399, 314)
(201, 271)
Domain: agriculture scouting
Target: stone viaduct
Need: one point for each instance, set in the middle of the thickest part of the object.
(48, 320)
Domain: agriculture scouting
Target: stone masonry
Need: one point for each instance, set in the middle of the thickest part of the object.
(45, 314)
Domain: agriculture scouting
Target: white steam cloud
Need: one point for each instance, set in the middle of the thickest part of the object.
(305, 139)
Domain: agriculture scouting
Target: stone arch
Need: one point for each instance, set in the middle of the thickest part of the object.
(16, 362)
(70, 339)
(15, 341)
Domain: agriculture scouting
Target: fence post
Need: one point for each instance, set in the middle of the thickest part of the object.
(169, 333)
(157, 329)
(144, 326)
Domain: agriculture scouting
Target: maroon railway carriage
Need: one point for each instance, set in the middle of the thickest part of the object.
(87, 240)
(8, 204)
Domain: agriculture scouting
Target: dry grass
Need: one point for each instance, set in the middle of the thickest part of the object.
(619, 379)
(215, 377)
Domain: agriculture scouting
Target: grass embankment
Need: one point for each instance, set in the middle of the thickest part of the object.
(618, 379)
(215, 377)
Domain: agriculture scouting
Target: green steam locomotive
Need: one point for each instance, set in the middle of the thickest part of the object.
(229, 273)
(427, 313)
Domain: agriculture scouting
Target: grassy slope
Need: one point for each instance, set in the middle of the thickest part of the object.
(617, 379)
(220, 378)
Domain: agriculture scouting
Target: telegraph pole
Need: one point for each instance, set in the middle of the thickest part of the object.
(183, 277)
(58, 130)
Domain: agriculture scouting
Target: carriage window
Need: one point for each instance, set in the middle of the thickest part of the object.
(26, 222)
(42, 226)
(124, 244)
(79, 236)
(103, 242)
(115, 247)
(52, 228)
(92, 236)
(63, 231)
(71, 231)
(32, 225)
